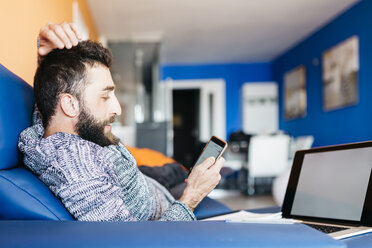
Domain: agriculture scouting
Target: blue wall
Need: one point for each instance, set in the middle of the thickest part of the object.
(234, 75)
(350, 124)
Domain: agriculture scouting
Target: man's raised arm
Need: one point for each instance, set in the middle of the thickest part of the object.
(51, 36)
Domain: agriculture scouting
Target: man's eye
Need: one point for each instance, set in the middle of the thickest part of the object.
(105, 98)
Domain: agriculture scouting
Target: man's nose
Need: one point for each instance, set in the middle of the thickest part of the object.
(116, 108)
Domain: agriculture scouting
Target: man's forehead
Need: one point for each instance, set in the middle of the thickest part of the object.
(99, 78)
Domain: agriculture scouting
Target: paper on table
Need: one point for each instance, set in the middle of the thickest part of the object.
(249, 217)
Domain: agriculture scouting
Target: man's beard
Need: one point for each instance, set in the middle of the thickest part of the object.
(92, 130)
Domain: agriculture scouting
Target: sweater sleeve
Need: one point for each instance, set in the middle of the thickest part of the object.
(177, 212)
(95, 199)
(85, 189)
(161, 204)
(174, 210)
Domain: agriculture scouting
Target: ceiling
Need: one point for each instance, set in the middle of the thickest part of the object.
(215, 31)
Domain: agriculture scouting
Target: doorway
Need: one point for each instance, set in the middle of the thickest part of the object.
(186, 105)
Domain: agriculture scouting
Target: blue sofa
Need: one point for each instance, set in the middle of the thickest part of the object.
(31, 216)
(22, 195)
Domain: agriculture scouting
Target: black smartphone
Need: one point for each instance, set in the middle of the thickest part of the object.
(214, 148)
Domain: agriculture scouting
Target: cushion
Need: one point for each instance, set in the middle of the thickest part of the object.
(24, 197)
(16, 104)
(209, 207)
(149, 157)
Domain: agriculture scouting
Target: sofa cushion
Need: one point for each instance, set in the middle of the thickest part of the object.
(209, 207)
(16, 101)
(24, 197)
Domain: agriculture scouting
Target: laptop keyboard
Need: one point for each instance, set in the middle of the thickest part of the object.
(327, 229)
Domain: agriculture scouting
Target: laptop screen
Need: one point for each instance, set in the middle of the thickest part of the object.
(330, 184)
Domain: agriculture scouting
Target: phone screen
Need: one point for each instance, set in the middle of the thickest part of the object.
(212, 149)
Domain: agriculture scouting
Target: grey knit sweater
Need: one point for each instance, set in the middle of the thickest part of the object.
(97, 183)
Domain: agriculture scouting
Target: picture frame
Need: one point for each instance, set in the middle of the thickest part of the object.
(295, 96)
(340, 67)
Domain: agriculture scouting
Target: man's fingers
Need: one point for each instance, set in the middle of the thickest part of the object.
(48, 36)
(71, 35)
(51, 36)
(218, 165)
(220, 161)
(62, 36)
(215, 170)
(75, 30)
(43, 51)
(208, 162)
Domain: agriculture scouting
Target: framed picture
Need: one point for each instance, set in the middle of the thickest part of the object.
(340, 74)
(295, 100)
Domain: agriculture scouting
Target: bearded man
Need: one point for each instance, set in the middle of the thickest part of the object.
(73, 151)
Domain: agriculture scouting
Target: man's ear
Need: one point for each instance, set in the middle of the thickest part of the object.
(69, 105)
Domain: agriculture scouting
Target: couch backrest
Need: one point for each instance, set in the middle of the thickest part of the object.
(24, 197)
(16, 103)
(22, 194)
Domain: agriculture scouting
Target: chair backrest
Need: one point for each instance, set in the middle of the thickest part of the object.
(22, 195)
(268, 155)
(303, 142)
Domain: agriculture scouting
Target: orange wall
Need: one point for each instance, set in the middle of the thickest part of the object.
(20, 22)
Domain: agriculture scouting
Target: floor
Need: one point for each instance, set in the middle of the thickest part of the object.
(236, 200)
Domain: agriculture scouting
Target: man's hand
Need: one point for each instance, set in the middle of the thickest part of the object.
(51, 36)
(202, 180)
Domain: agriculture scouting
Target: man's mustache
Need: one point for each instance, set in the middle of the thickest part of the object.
(111, 120)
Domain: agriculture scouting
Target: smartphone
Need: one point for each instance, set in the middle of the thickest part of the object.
(214, 148)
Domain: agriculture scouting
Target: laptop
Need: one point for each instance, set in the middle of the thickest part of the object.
(330, 189)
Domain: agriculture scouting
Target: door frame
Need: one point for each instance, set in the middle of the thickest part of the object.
(207, 87)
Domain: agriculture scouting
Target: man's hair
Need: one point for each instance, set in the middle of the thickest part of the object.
(64, 71)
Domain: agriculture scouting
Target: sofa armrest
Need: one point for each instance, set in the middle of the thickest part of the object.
(159, 234)
(209, 207)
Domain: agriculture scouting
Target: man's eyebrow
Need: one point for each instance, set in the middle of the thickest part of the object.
(109, 88)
